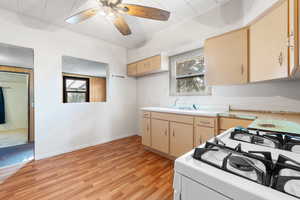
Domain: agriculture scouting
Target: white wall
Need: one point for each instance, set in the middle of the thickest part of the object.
(191, 33)
(16, 102)
(65, 127)
(153, 90)
(16, 56)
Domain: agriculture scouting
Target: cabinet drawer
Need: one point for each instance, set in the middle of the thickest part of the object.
(227, 123)
(146, 114)
(206, 122)
(173, 117)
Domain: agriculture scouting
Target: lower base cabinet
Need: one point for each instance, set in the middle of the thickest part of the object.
(174, 134)
(160, 135)
(203, 134)
(146, 139)
(181, 138)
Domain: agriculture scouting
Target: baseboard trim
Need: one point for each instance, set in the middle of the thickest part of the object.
(41, 156)
(160, 153)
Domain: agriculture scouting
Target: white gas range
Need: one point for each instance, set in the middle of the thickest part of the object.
(224, 169)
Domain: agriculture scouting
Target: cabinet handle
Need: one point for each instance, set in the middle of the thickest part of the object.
(202, 122)
(280, 59)
(166, 132)
(291, 40)
(148, 127)
(173, 133)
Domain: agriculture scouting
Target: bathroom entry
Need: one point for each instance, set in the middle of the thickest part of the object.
(16, 116)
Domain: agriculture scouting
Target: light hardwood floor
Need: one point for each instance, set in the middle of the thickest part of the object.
(117, 170)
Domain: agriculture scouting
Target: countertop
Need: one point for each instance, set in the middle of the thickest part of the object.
(285, 121)
(209, 113)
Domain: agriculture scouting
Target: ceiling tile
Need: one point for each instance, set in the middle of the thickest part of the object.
(9, 4)
(58, 10)
(33, 8)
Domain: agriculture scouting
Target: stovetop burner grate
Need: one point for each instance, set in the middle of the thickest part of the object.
(284, 175)
(225, 158)
(277, 140)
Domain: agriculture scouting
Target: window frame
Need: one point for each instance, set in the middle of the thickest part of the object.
(65, 92)
(181, 58)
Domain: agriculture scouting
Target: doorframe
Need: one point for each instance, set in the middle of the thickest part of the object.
(31, 130)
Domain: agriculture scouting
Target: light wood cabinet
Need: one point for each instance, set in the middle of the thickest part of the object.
(173, 117)
(269, 52)
(227, 58)
(205, 121)
(146, 138)
(176, 134)
(267, 49)
(146, 66)
(160, 135)
(97, 89)
(227, 123)
(181, 138)
(203, 134)
(296, 66)
(132, 69)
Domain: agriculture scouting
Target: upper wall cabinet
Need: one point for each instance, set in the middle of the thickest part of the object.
(269, 48)
(150, 65)
(295, 37)
(227, 58)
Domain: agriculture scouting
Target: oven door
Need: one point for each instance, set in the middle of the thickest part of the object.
(192, 190)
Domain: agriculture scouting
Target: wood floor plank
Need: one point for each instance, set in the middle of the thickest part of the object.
(119, 170)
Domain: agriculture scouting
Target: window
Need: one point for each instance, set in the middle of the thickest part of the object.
(187, 74)
(75, 89)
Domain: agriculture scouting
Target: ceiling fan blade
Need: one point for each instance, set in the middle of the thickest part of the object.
(83, 15)
(121, 25)
(115, 2)
(145, 12)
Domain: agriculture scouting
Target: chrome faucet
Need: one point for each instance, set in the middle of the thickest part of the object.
(175, 102)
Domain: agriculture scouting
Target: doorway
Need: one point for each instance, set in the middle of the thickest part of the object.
(16, 116)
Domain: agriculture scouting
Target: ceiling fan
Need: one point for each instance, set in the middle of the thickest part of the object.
(113, 10)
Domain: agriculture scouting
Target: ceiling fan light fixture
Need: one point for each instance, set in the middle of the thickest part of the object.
(111, 16)
(113, 10)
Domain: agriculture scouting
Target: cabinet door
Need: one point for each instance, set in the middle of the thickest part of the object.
(160, 135)
(294, 36)
(97, 89)
(203, 134)
(143, 67)
(181, 138)
(155, 63)
(227, 58)
(146, 138)
(268, 45)
(132, 69)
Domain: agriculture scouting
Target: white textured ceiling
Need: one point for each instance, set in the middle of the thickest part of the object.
(55, 11)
